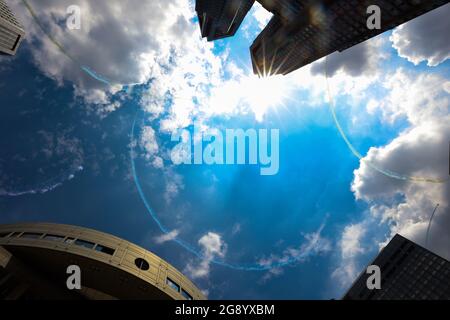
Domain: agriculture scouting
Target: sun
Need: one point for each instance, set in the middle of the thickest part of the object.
(264, 93)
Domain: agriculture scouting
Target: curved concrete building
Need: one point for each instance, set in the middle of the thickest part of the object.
(35, 257)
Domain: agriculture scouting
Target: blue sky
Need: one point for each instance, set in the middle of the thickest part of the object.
(67, 146)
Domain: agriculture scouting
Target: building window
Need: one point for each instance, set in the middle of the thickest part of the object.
(173, 284)
(53, 237)
(186, 295)
(105, 249)
(69, 240)
(142, 264)
(84, 243)
(31, 235)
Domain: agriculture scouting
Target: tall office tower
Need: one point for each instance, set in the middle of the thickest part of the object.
(321, 27)
(11, 32)
(303, 31)
(221, 18)
(34, 261)
(408, 272)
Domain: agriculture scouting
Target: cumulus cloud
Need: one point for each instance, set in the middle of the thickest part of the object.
(407, 206)
(212, 246)
(362, 59)
(421, 150)
(418, 97)
(118, 40)
(424, 38)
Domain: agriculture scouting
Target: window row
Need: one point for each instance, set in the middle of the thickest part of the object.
(139, 262)
(59, 238)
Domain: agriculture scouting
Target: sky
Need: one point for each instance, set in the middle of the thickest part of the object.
(85, 139)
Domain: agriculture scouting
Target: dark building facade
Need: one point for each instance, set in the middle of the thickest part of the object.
(221, 18)
(303, 31)
(11, 31)
(408, 272)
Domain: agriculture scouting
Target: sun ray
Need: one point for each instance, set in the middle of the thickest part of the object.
(264, 58)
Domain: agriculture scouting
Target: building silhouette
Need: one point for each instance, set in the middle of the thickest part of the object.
(34, 259)
(303, 31)
(11, 31)
(408, 272)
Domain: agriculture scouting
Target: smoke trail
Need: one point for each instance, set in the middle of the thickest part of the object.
(44, 187)
(356, 153)
(282, 262)
(85, 69)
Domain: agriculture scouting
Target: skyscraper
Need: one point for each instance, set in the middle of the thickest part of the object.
(303, 31)
(408, 272)
(221, 18)
(11, 31)
(34, 259)
(313, 29)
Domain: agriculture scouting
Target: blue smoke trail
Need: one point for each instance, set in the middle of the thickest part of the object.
(95, 76)
(44, 187)
(199, 254)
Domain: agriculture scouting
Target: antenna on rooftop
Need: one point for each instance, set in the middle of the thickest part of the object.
(429, 225)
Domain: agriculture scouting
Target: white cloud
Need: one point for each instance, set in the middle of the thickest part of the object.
(212, 246)
(166, 237)
(350, 243)
(350, 247)
(158, 162)
(406, 205)
(362, 59)
(425, 38)
(315, 244)
(174, 183)
(261, 15)
(421, 151)
(119, 41)
(418, 97)
(148, 142)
